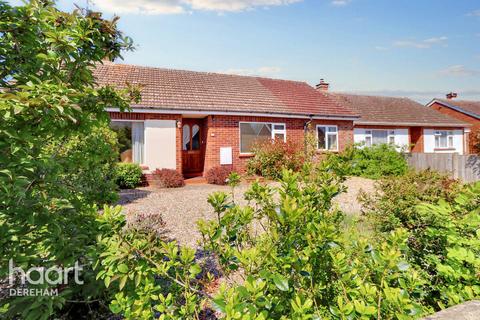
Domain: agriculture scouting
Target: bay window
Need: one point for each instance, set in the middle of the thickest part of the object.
(255, 132)
(327, 138)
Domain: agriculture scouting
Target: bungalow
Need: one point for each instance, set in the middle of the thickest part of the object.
(404, 123)
(193, 121)
(467, 111)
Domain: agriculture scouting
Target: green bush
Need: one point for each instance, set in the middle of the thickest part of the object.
(49, 102)
(369, 162)
(393, 203)
(271, 157)
(442, 219)
(128, 175)
(87, 164)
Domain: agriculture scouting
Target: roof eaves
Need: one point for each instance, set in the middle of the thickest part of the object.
(413, 124)
(150, 109)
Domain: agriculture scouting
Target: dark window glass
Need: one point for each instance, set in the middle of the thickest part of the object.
(195, 137)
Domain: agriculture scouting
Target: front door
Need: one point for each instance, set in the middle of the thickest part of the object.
(193, 142)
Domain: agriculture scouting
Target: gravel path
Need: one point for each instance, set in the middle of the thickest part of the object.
(182, 208)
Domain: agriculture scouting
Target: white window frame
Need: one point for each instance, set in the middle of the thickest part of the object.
(450, 142)
(390, 135)
(327, 133)
(274, 131)
(144, 145)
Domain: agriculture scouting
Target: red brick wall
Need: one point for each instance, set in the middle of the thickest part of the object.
(475, 129)
(223, 131)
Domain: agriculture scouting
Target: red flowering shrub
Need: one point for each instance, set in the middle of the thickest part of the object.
(271, 157)
(218, 175)
(168, 178)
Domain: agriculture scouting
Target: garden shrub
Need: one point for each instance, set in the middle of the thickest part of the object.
(128, 175)
(271, 157)
(369, 162)
(301, 266)
(168, 178)
(49, 102)
(392, 205)
(87, 164)
(442, 219)
(218, 175)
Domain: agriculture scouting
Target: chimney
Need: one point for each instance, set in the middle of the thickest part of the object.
(322, 86)
(451, 95)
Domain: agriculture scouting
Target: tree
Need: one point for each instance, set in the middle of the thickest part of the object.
(49, 97)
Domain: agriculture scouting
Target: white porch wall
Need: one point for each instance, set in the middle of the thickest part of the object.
(160, 144)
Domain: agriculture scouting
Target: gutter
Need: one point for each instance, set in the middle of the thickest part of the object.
(229, 113)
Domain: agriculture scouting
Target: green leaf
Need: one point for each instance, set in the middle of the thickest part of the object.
(123, 268)
(281, 282)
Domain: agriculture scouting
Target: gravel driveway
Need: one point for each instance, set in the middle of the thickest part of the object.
(182, 208)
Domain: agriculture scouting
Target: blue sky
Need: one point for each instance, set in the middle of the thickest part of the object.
(420, 49)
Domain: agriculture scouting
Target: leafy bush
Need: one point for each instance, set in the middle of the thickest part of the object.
(369, 162)
(218, 175)
(302, 266)
(146, 276)
(393, 203)
(87, 164)
(128, 175)
(49, 98)
(442, 220)
(168, 178)
(271, 157)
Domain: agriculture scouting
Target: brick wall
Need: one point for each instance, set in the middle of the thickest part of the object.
(223, 131)
(475, 129)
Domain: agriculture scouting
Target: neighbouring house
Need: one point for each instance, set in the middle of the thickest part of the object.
(467, 111)
(193, 121)
(402, 122)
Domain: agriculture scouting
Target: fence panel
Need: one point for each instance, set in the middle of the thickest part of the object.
(464, 167)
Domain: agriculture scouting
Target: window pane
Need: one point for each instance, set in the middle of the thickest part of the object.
(186, 137)
(321, 138)
(137, 139)
(332, 142)
(368, 141)
(279, 127)
(450, 141)
(379, 136)
(251, 133)
(280, 136)
(332, 129)
(124, 137)
(195, 137)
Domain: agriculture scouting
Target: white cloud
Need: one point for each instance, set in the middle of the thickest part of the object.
(261, 71)
(459, 71)
(422, 44)
(380, 48)
(153, 7)
(475, 13)
(340, 3)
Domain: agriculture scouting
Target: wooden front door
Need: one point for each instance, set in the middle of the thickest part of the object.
(193, 147)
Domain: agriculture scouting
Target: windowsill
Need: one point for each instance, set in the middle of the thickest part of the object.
(326, 151)
(246, 155)
(444, 149)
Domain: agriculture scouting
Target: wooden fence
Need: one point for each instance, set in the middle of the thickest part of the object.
(464, 167)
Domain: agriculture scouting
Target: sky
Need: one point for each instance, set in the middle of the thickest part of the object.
(415, 48)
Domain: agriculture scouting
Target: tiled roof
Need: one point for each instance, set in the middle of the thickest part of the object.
(389, 110)
(468, 107)
(202, 91)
